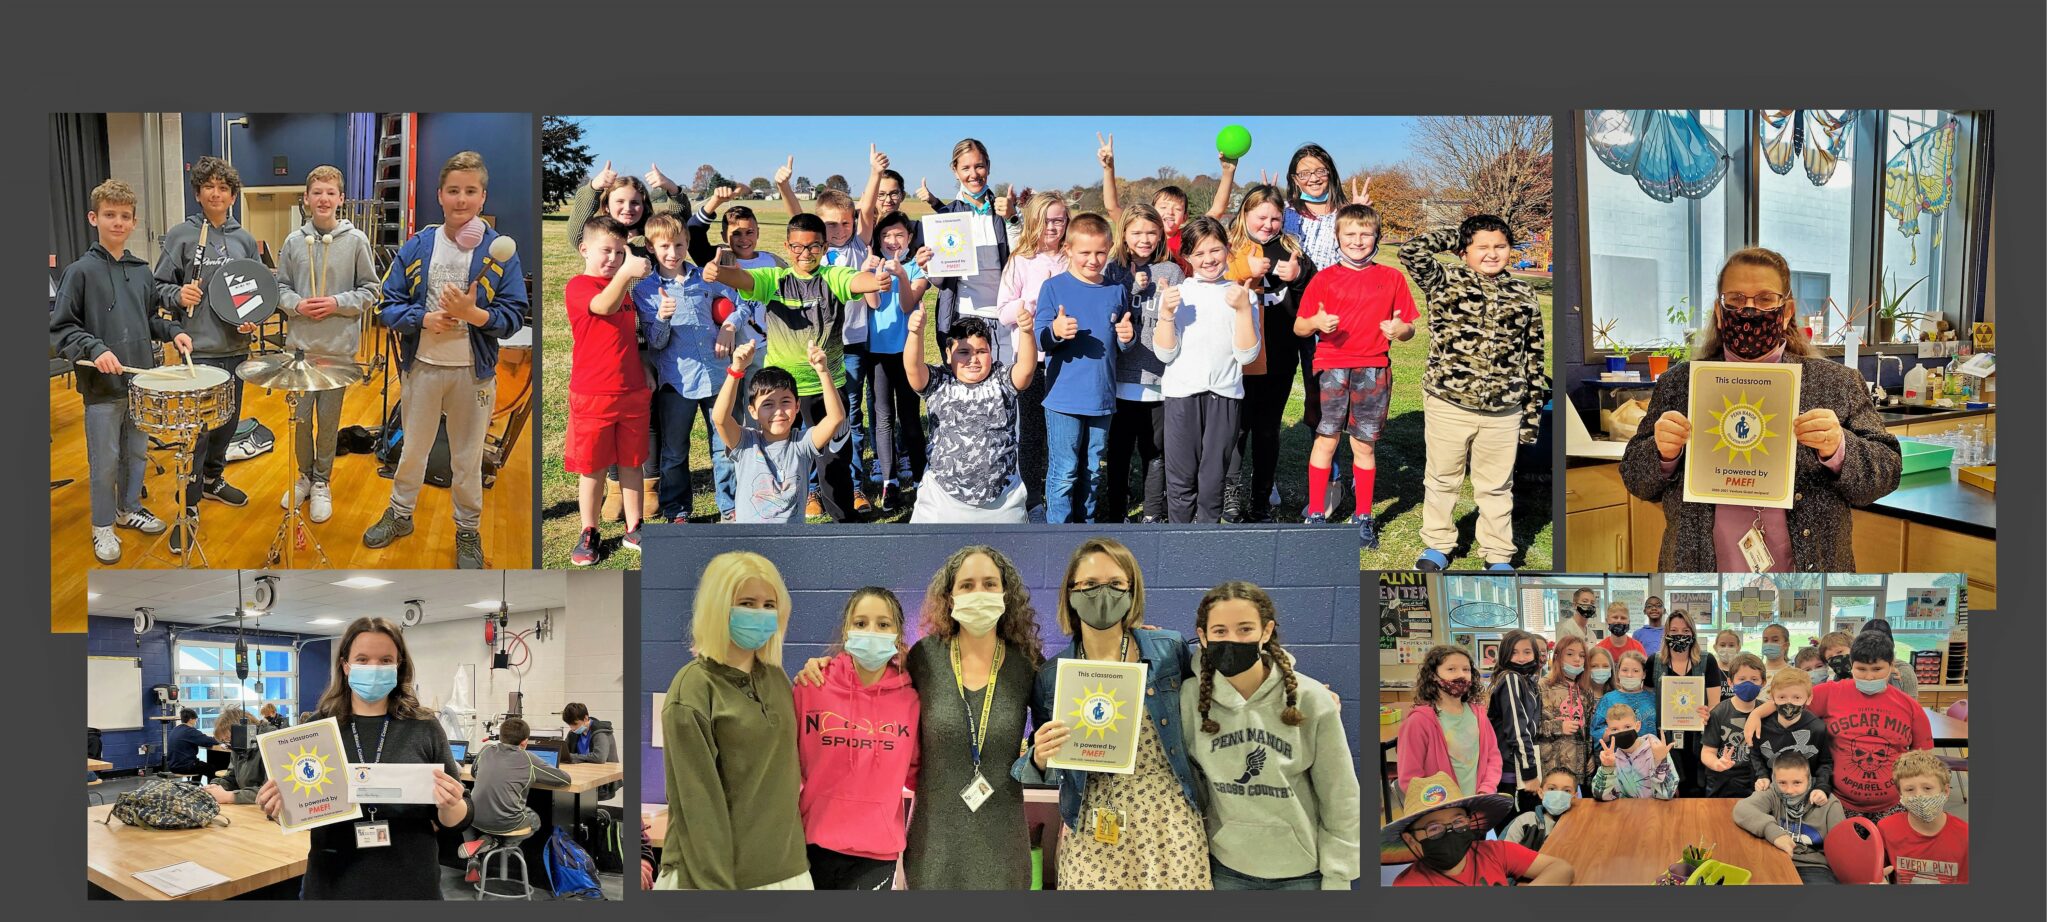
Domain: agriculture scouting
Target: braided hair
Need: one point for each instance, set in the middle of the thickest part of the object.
(1240, 590)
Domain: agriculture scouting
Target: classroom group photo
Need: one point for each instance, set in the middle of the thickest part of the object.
(1050, 320)
(269, 331)
(1673, 729)
(1016, 708)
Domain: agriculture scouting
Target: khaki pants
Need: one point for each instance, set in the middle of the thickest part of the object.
(1483, 443)
(428, 393)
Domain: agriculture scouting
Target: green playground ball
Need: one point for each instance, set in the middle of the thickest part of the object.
(1233, 141)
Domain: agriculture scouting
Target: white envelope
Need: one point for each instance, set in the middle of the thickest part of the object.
(391, 783)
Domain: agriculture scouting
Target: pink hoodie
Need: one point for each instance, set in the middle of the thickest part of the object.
(857, 748)
(1421, 750)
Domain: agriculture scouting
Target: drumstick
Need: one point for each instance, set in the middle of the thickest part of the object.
(129, 370)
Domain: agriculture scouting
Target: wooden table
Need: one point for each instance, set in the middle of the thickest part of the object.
(1632, 842)
(250, 852)
(98, 765)
(1947, 731)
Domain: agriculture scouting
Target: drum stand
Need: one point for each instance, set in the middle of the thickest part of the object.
(296, 523)
(181, 472)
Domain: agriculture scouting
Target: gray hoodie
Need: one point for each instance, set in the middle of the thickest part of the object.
(503, 776)
(212, 337)
(1281, 801)
(1763, 815)
(341, 266)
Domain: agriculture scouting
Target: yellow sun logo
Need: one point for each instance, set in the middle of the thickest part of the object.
(1741, 427)
(1098, 711)
(309, 772)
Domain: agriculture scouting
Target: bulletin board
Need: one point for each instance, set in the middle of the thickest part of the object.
(113, 692)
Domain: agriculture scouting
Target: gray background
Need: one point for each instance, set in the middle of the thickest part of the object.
(1052, 56)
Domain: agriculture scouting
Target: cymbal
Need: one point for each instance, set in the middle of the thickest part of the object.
(290, 372)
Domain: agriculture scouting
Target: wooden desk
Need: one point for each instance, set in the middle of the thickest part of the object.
(584, 777)
(98, 765)
(1947, 731)
(1632, 842)
(250, 852)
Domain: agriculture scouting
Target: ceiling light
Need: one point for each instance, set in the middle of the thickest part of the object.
(324, 621)
(484, 605)
(362, 582)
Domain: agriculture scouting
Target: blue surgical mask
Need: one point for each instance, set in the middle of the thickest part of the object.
(1773, 650)
(372, 683)
(1746, 691)
(1600, 676)
(1819, 674)
(871, 649)
(1318, 199)
(1871, 686)
(1572, 671)
(1557, 802)
(751, 628)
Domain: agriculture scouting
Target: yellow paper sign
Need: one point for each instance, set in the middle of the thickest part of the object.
(1742, 450)
(1102, 703)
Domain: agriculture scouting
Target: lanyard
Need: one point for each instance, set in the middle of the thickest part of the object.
(977, 733)
(386, 728)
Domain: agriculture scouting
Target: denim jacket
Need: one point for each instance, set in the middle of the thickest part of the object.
(1168, 664)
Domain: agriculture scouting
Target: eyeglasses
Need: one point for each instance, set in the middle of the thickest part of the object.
(807, 248)
(896, 194)
(1767, 301)
(1434, 830)
(1312, 175)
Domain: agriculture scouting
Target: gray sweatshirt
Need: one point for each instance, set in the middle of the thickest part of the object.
(503, 775)
(340, 267)
(1763, 815)
(1281, 801)
(212, 337)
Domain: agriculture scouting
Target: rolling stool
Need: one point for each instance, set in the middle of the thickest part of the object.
(93, 797)
(507, 851)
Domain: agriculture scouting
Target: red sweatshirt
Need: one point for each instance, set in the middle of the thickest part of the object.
(1942, 858)
(857, 747)
(1868, 734)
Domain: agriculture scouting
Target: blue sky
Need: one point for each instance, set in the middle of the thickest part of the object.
(1043, 151)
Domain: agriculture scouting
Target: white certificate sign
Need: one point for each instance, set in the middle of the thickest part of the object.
(307, 763)
(951, 237)
(391, 783)
(1742, 450)
(1102, 704)
(1683, 696)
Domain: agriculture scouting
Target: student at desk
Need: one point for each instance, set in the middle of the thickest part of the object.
(588, 739)
(245, 766)
(370, 693)
(505, 771)
(187, 741)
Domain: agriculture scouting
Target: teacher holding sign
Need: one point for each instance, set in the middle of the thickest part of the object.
(1140, 830)
(1840, 453)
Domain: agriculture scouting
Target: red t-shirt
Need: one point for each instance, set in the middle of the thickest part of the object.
(1942, 858)
(1361, 299)
(604, 358)
(1488, 864)
(1868, 733)
(1613, 647)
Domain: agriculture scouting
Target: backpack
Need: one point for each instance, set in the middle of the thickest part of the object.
(94, 748)
(391, 446)
(161, 803)
(354, 440)
(571, 874)
(600, 837)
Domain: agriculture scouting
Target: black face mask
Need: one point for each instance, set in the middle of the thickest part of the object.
(1528, 668)
(1617, 629)
(1751, 337)
(1789, 710)
(1840, 664)
(1232, 657)
(1585, 611)
(1445, 851)
(1681, 642)
(1623, 739)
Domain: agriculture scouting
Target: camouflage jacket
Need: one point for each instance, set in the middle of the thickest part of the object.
(1486, 335)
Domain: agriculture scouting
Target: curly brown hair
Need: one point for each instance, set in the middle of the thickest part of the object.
(1241, 590)
(1427, 689)
(1019, 625)
(338, 700)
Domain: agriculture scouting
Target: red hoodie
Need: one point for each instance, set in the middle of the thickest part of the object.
(857, 747)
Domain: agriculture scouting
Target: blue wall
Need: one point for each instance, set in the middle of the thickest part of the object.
(116, 637)
(1311, 573)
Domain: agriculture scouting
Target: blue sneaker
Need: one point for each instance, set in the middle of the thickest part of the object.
(1368, 530)
(1432, 560)
(1503, 566)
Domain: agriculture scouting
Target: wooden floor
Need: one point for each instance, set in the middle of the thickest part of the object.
(241, 537)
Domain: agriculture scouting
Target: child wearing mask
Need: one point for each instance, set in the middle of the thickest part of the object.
(1870, 725)
(1727, 646)
(1514, 708)
(1531, 829)
(1633, 764)
(1926, 844)
(1578, 621)
(1443, 732)
(1786, 816)
(1776, 646)
(1617, 640)
(1631, 672)
(1724, 756)
(1568, 694)
(1442, 837)
(1787, 726)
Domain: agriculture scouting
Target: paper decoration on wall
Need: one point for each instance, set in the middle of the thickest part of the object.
(1667, 151)
(1920, 179)
(1803, 605)
(1926, 609)
(1489, 655)
(1412, 650)
(1404, 604)
(1485, 615)
(1752, 607)
(1812, 136)
(1699, 606)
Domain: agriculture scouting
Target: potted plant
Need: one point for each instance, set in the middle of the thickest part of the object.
(1666, 351)
(1889, 309)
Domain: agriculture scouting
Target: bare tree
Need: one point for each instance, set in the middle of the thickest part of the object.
(1498, 164)
(1399, 197)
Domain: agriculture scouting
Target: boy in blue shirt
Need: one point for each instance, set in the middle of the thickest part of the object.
(678, 320)
(1089, 324)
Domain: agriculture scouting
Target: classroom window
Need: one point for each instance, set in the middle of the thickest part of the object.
(1916, 245)
(206, 679)
(1812, 225)
(1648, 256)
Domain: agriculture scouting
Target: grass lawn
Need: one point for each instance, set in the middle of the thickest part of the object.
(1400, 452)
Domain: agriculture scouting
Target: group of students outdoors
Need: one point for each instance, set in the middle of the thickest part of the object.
(1803, 741)
(780, 784)
(1082, 339)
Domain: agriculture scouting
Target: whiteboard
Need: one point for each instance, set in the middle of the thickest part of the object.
(113, 692)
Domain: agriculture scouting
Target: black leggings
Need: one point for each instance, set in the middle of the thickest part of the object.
(1139, 425)
(834, 470)
(897, 415)
(832, 870)
(1265, 402)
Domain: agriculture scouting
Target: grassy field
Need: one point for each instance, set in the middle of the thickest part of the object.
(1400, 450)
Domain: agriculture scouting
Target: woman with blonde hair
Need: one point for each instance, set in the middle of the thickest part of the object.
(728, 725)
(1845, 458)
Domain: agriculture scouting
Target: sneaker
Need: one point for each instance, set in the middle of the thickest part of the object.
(1368, 530)
(296, 495)
(1432, 560)
(105, 544)
(860, 502)
(221, 491)
(323, 501)
(392, 526)
(889, 496)
(182, 535)
(470, 848)
(585, 553)
(141, 520)
(471, 874)
(875, 472)
(1314, 518)
(1037, 514)
(1233, 503)
(1259, 513)
(813, 508)
(1150, 520)
(903, 469)
(1501, 567)
(469, 549)
(631, 540)
(728, 517)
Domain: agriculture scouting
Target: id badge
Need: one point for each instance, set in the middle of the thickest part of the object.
(1109, 825)
(1754, 551)
(373, 834)
(977, 792)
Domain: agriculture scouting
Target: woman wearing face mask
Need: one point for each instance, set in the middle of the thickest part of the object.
(1143, 830)
(1249, 697)
(370, 694)
(1845, 456)
(1567, 693)
(728, 724)
(1515, 708)
(857, 748)
(1443, 732)
(1681, 656)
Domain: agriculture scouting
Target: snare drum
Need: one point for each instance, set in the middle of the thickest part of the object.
(165, 402)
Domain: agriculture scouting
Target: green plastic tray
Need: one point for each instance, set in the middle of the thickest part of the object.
(1920, 456)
